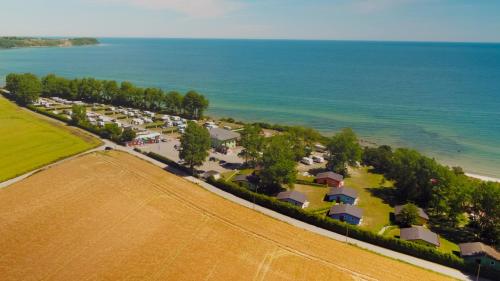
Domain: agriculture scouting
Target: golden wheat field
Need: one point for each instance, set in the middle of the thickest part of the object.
(111, 216)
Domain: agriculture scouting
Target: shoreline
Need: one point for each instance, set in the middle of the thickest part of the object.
(481, 177)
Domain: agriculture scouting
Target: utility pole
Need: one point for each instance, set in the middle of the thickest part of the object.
(478, 270)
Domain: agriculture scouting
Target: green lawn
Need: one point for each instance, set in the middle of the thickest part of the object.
(315, 196)
(28, 142)
(375, 211)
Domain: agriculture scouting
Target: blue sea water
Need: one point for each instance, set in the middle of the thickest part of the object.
(440, 98)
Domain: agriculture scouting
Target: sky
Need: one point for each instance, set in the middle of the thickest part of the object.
(399, 20)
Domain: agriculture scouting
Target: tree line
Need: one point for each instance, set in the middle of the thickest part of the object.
(27, 88)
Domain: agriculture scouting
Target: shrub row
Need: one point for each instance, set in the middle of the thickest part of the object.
(327, 223)
(310, 183)
(169, 162)
(48, 113)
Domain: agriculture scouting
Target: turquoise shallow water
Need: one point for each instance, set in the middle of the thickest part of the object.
(440, 98)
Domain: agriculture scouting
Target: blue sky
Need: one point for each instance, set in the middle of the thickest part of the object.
(409, 20)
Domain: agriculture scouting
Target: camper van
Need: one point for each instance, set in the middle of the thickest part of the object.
(318, 159)
(307, 161)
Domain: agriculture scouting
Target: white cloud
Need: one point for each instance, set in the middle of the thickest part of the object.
(190, 8)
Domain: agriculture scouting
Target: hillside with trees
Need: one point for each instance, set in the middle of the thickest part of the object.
(26, 42)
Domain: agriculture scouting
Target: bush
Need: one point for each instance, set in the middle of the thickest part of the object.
(327, 223)
(49, 113)
(169, 162)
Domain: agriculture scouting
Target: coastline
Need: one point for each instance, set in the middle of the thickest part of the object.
(481, 177)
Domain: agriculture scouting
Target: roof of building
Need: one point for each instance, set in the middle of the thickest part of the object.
(346, 209)
(330, 175)
(292, 194)
(343, 191)
(419, 233)
(241, 178)
(223, 134)
(478, 248)
(421, 213)
(210, 173)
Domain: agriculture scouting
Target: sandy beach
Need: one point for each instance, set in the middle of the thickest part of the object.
(483, 178)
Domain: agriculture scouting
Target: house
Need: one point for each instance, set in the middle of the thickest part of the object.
(422, 216)
(346, 213)
(216, 175)
(294, 197)
(223, 138)
(330, 179)
(343, 195)
(421, 235)
(477, 252)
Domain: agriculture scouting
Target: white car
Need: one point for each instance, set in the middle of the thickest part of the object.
(307, 161)
(318, 159)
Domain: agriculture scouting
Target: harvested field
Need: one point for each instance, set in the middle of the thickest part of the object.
(111, 216)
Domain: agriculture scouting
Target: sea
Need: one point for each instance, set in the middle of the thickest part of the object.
(442, 99)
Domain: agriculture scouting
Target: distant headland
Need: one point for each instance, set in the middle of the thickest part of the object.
(27, 42)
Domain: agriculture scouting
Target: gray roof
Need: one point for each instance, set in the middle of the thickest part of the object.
(330, 175)
(294, 195)
(241, 178)
(223, 134)
(343, 191)
(346, 209)
(421, 213)
(210, 173)
(419, 233)
(478, 248)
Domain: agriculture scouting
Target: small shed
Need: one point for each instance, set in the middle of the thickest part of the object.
(480, 253)
(294, 197)
(421, 235)
(422, 216)
(343, 195)
(216, 175)
(222, 137)
(346, 213)
(330, 179)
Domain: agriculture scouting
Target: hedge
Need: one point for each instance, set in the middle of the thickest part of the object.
(169, 162)
(327, 223)
(49, 113)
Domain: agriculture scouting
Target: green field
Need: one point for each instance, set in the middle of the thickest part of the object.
(28, 142)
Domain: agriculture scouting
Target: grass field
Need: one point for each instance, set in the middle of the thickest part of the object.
(28, 142)
(375, 210)
(111, 216)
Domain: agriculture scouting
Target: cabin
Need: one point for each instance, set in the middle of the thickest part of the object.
(296, 198)
(479, 253)
(423, 218)
(421, 235)
(344, 195)
(214, 174)
(223, 138)
(330, 179)
(346, 213)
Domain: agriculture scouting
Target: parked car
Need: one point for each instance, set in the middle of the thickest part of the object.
(318, 159)
(307, 161)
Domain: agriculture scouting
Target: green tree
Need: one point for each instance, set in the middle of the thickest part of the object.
(408, 215)
(111, 131)
(127, 135)
(252, 142)
(485, 210)
(173, 103)
(25, 87)
(278, 164)
(195, 143)
(343, 150)
(378, 157)
(194, 105)
(78, 114)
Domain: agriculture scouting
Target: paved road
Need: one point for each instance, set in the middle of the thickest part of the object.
(383, 251)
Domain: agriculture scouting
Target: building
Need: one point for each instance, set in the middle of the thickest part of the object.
(477, 252)
(343, 195)
(330, 179)
(423, 218)
(421, 235)
(346, 213)
(294, 197)
(216, 175)
(223, 138)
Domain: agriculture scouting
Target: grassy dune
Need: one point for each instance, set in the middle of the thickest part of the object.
(28, 142)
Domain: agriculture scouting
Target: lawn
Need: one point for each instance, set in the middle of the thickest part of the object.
(28, 142)
(375, 210)
(315, 196)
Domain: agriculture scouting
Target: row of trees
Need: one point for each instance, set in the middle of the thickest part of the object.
(447, 193)
(27, 88)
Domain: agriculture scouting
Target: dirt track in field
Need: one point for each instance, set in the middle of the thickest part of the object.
(115, 217)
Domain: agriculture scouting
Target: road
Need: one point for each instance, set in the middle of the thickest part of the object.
(383, 251)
